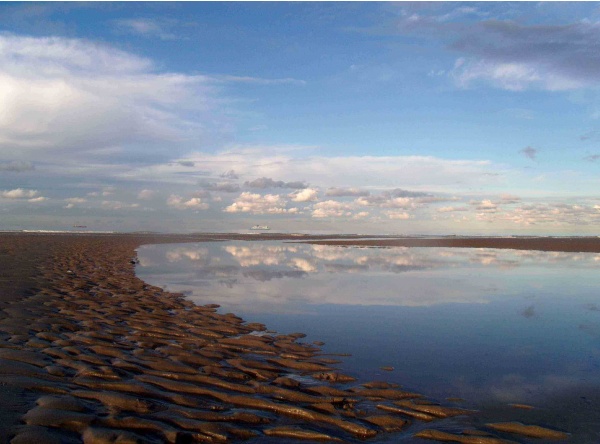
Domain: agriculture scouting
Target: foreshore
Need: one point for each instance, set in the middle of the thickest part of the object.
(90, 353)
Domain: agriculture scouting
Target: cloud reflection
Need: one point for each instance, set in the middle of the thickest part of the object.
(280, 277)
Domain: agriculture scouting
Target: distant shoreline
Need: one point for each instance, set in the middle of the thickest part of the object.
(572, 244)
(558, 244)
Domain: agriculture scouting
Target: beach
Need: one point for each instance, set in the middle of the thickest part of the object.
(90, 353)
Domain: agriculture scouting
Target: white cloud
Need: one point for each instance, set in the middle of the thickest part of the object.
(37, 199)
(118, 205)
(361, 215)
(146, 194)
(259, 204)
(72, 202)
(75, 200)
(146, 27)
(331, 208)
(306, 195)
(451, 209)
(275, 165)
(555, 214)
(509, 76)
(19, 193)
(399, 202)
(195, 203)
(72, 95)
(400, 215)
(485, 205)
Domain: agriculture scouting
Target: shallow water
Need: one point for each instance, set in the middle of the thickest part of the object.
(491, 326)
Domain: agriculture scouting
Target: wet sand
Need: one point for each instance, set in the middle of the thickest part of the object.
(90, 353)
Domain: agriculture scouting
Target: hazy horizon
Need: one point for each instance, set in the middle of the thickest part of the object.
(366, 117)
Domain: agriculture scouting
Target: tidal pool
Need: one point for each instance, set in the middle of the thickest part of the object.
(494, 327)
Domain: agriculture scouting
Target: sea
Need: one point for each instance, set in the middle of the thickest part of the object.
(490, 327)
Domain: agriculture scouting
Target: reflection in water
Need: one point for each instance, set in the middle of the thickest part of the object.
(487, 325)
(339, 275)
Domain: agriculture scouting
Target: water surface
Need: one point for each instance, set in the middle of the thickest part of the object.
(491, 326)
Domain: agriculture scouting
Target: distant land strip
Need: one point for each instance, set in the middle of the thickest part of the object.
(564, 244)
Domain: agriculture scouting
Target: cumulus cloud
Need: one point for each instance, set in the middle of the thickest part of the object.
(592, 157)
(556, 214)
(16, 167)
(397, 198)
(306, 195)
(361, 215)
(371, 200)
(400, 215)
(485, 205)
(19, 193)
(259, 204)
(72, 95)
(265, 182)
(399, 202)
(146, 194)
(451, 209)
(73, 201)
(195, 203)
(331, 208)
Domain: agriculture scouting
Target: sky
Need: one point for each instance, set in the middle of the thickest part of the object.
(323, 117)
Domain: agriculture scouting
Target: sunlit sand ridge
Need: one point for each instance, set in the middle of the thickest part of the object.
(94, 354)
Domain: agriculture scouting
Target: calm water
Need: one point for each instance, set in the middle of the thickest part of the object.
(490, 326)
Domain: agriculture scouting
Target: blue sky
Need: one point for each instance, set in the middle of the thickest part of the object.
(470, 118)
